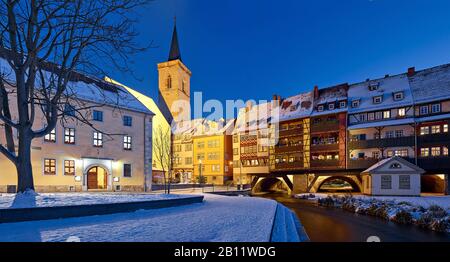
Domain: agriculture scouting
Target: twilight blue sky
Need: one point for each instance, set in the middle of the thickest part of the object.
(251, 49)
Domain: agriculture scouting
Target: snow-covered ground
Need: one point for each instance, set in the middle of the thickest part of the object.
(31, 199)
(424, 201)
(218, 218)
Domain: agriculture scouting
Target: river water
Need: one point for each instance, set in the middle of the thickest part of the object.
(336, 225)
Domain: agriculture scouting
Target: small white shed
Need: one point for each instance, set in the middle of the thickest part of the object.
(392, 177)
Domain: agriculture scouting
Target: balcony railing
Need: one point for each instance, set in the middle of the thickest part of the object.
(326, 126)
(437, 164)
(362, 163)
(287, 165)
(382, 143)
(325, 147)
(434, 138)
(325, 163)
(286, 149)
(290, 132)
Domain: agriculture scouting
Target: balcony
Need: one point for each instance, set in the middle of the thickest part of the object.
(290, 132)
(325, 163)
(288, 149)
(327, 126)
(436, 164)
(434, 138)
(382, 143)
(362, 163)
(325, 147)
(287, 165)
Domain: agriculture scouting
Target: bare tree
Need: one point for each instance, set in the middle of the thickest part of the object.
(163, 154)
(45, 44)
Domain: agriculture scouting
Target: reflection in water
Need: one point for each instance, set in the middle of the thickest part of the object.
(335, 225)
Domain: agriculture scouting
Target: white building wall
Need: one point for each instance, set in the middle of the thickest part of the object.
(395, 191)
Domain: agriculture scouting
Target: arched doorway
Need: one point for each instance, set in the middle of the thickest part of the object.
(97, 178)
(338, 184)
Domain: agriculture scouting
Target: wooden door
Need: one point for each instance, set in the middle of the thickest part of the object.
(92, 182)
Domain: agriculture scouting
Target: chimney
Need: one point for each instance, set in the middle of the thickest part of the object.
(316, 92)
(274, 97)
(368, 79)
(386, 76)
(411, 71)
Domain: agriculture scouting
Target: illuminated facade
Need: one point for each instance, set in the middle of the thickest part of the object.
(75, 157)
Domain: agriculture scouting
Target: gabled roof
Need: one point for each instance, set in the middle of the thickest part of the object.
(378, 167)
(298, 106)
(328, 96)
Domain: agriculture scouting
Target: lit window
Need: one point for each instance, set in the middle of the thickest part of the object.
(331, 106)
(435, 108)
(399, 133)
(51, 137)
(445, 151)
(390, 153)
(215, 168)
(424, 110)
(424, 130)
(424, 152)
(435, 151)
(435, 129)
(398, 96)
(386, 114)
(69, 167)
(127, 121)
(401, 112)
(401, 152)
(377, 99)
(126, 170)
(445, 128)
(127, 142)
(49, 166)
(69, 136)
(98, 139)
(97, 116)
(320, 108)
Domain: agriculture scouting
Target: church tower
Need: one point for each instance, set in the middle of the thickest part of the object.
(174, 84)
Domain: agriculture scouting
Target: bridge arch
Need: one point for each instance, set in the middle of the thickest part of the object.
(271, 184)
(352, 182)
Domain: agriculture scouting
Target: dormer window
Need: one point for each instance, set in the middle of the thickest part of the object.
(374, 86)
(398, 96)
(355, 103)
(342, 104)
(377, 99)
(331, 106)
(320, 108)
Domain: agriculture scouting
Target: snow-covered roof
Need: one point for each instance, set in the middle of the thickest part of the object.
(431, 84)
(386, 87)
(257, 117)
(298, 106)
(89, 89)
(395, 122)
(330, 95)
(203, 127)
(378, 167)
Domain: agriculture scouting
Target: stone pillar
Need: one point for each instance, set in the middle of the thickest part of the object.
(446, 184)
(300, 184)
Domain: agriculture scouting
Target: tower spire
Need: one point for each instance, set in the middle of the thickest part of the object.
(174, 53)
